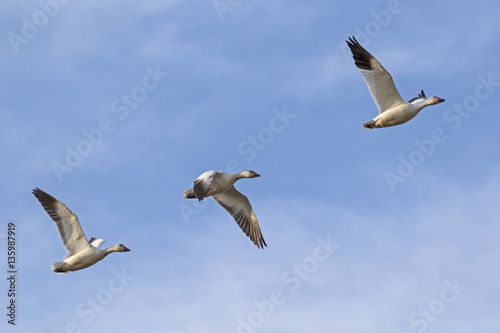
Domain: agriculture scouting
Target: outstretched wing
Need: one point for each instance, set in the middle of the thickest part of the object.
(240, 209)
(377, 78)
(71, 232)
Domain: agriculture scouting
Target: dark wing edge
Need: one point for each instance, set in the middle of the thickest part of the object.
(362, 58)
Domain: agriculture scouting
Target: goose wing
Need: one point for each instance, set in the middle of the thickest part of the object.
(240, 209)
(420, 98)
(203, 183)
(71, 232)
(377, 78)
(96, 242)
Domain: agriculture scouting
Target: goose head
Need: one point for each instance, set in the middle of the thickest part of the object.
(249, 174)
(120, 248)
(435, 100)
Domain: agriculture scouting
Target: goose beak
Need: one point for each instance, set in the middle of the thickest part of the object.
(440, 100)
(126, 249)
(257, 175)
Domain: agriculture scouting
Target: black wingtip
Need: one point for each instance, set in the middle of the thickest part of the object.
(42, 195)
(39, 194)
(262, 243)
(360, 55)
(351, 42)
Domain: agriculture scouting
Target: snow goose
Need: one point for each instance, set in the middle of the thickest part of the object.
(219, 185)
(81, 253)
(393, 110)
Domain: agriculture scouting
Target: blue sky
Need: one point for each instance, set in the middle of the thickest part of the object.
(115, 108)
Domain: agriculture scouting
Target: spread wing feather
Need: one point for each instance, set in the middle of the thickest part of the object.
(67, 223)
(377, 78)
(240, 209)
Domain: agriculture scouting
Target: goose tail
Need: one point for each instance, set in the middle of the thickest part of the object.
(370, 124)
(189, 194)
(60, 268)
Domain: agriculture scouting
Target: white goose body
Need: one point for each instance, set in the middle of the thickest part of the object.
(393, 110)
(86, 258)
(219, 186)
(400, 114)
(81, 253)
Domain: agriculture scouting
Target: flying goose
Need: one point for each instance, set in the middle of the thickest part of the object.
(81, 253)
(219, 185)
(393, 110)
